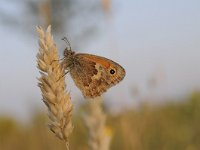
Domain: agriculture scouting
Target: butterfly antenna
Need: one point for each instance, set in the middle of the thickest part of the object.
(67, 41)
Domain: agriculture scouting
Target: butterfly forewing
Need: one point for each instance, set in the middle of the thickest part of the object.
(93, 75)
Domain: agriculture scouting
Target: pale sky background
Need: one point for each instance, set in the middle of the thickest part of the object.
(151, 39)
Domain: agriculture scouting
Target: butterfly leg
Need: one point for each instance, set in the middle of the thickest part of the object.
(56, 60)
(63, 75)
(66, 71)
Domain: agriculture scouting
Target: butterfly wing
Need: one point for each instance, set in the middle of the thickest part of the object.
(93, 75)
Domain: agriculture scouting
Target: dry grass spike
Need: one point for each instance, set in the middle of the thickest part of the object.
(95, 121)
(53, 87)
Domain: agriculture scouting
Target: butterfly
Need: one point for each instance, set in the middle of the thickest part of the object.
(92, 74)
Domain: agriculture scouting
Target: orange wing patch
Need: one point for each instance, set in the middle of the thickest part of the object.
(98, 60)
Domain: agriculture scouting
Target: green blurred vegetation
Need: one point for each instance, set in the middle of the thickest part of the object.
(173, 126)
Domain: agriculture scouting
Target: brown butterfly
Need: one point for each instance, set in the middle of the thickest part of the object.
(92, 74)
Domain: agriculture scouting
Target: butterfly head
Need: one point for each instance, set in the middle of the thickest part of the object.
(68, 53)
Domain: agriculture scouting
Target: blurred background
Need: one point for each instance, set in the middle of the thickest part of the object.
(156, 106)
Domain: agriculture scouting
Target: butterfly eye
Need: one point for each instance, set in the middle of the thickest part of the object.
(112, 71)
